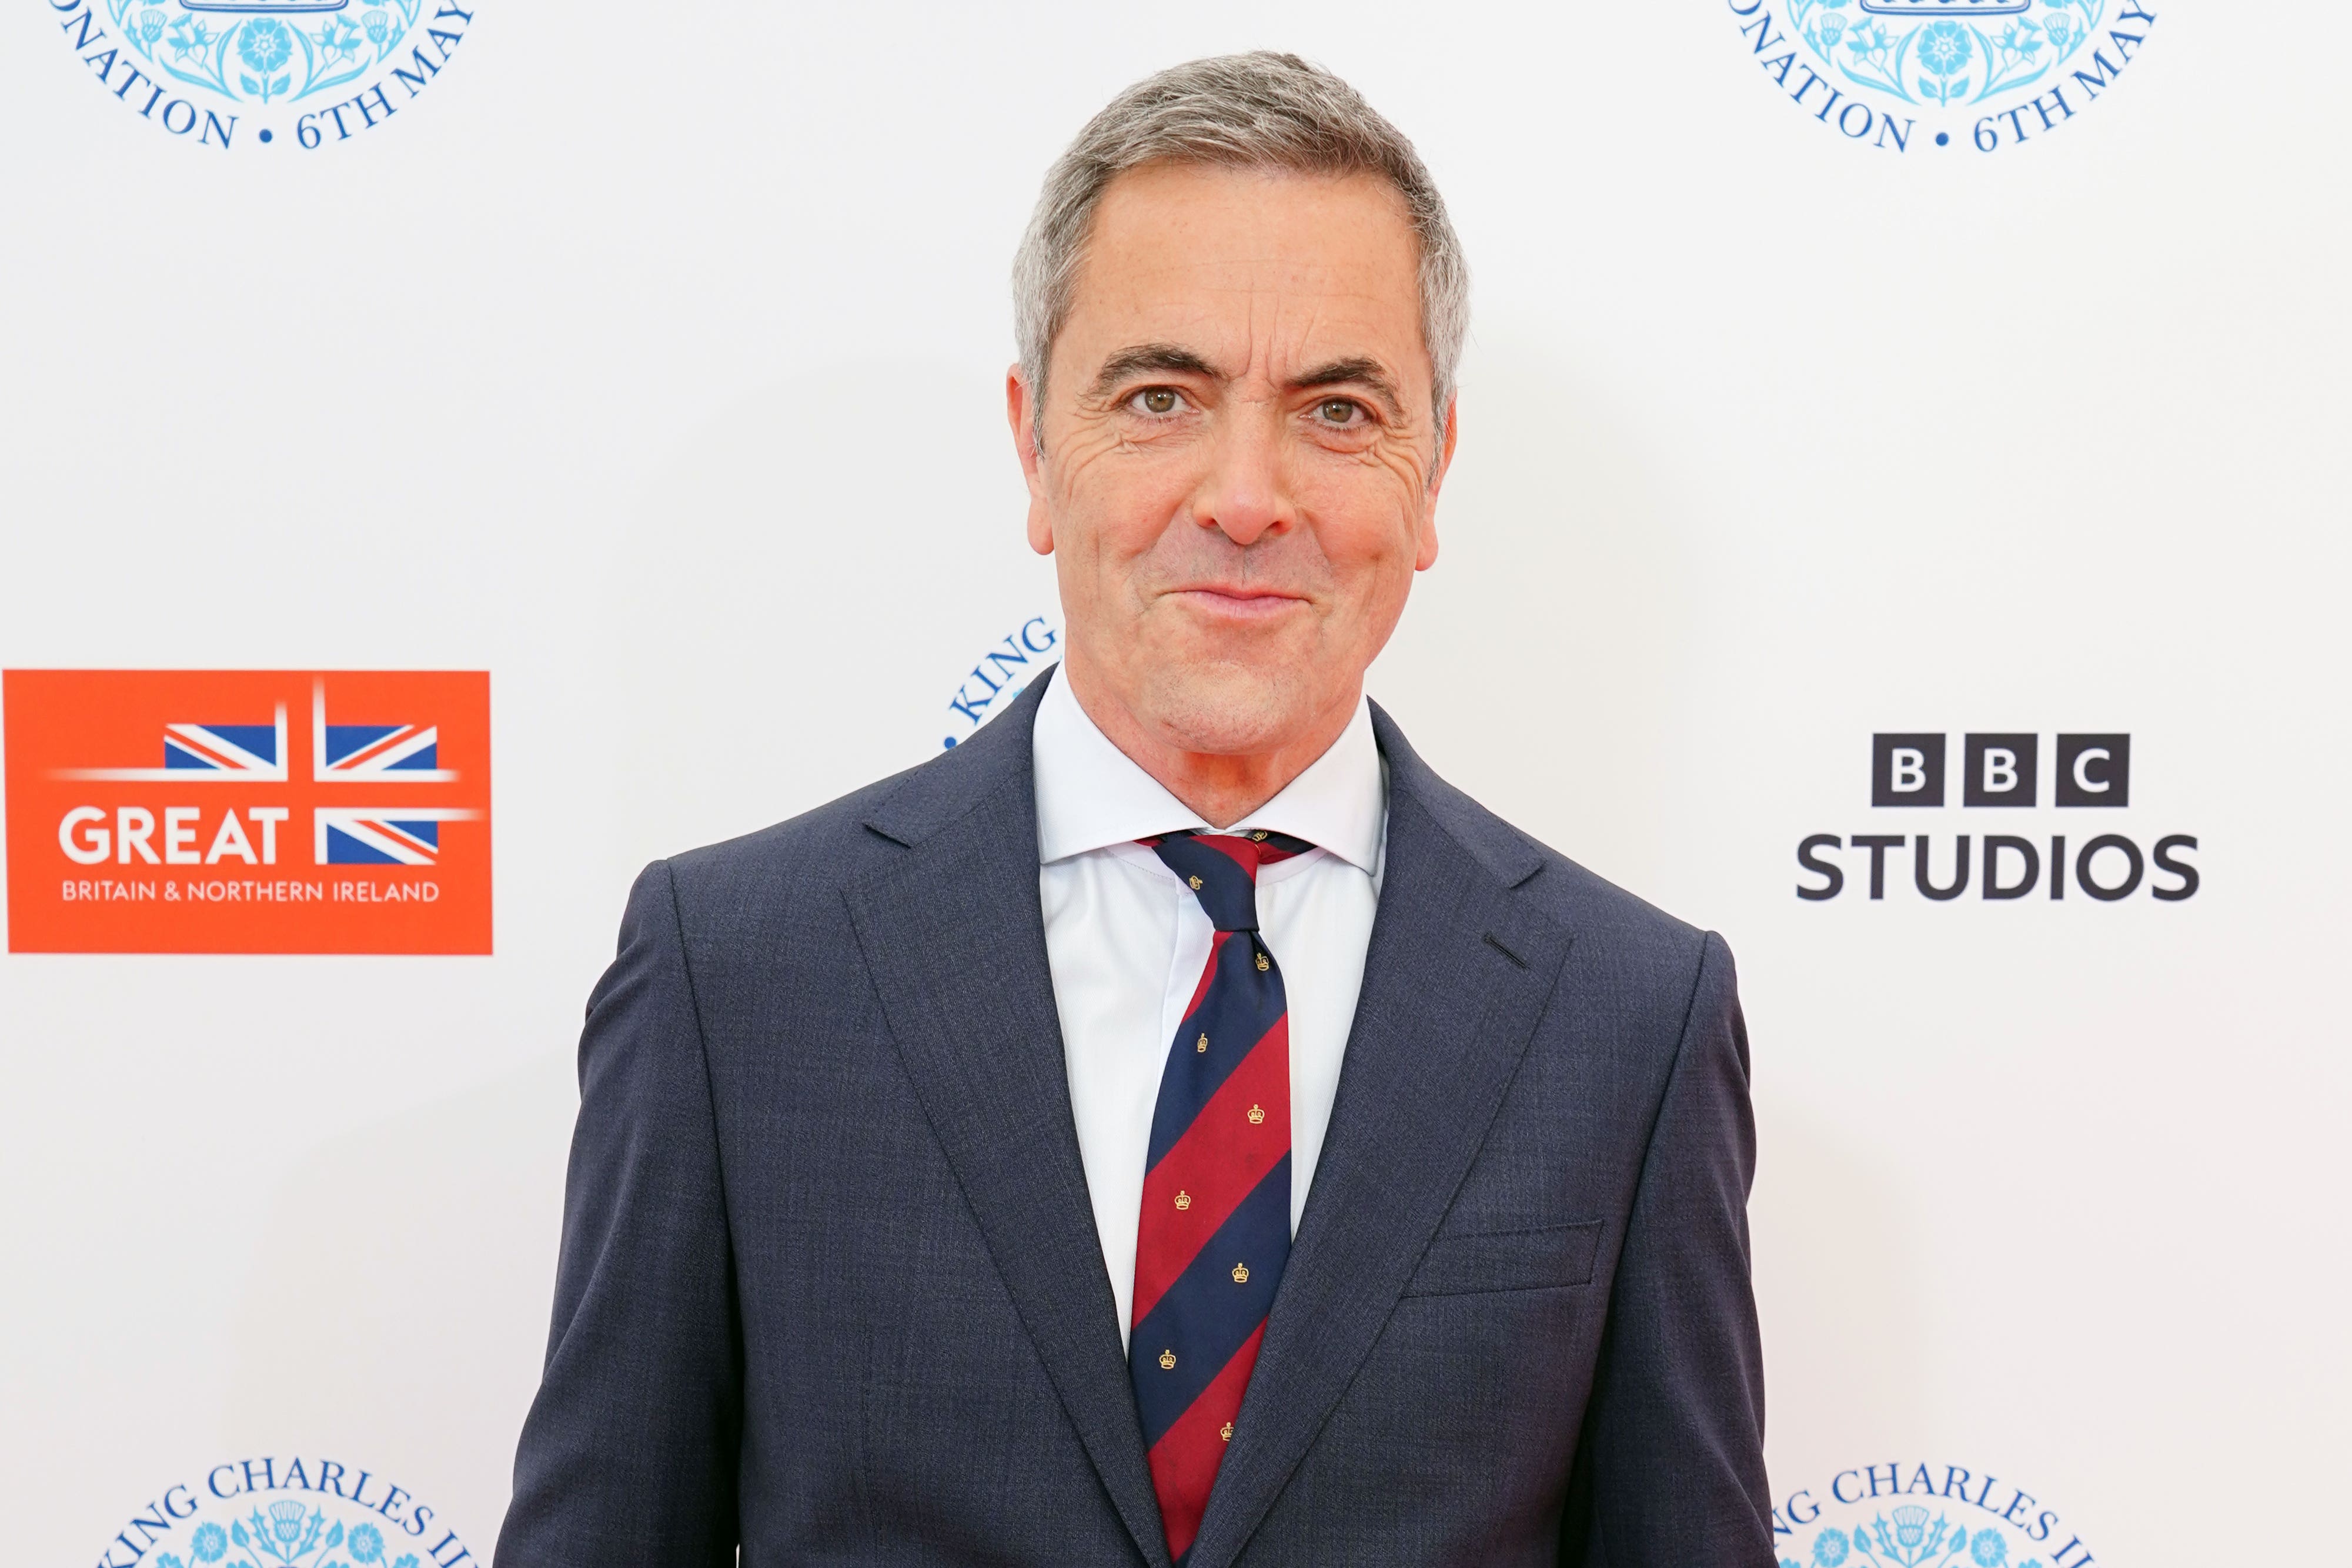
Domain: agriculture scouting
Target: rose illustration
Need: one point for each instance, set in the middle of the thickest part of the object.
(1944, 47)
(264, 45)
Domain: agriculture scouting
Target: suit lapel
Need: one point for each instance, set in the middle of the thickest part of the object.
(1458, 973)
(954, 938)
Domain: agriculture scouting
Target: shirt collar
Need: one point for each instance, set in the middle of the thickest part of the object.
(1091, 794)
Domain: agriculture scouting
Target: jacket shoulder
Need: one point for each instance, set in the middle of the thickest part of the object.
(1603, 918)
(814, 855)
(1589, 904)
(827, 846)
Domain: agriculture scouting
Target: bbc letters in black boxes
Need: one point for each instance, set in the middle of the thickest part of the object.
(2005, 855)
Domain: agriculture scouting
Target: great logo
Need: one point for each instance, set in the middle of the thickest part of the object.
(190, 811)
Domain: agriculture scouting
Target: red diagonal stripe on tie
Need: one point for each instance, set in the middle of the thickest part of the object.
(1242, 852)
(1184, 1461)
(1208, 973)
(1218, 1162)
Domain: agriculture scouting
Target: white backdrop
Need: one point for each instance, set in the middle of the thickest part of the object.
(651, 361)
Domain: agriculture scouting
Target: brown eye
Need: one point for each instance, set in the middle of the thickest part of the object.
(1335, 409)
(1158, 399)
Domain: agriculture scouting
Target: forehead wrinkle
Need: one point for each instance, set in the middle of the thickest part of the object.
(1360, 366)
(1295, 317)
(1285, 308)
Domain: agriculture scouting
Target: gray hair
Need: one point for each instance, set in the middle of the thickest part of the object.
(1260, 110)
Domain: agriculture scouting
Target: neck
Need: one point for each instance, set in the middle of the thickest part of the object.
(1220, 787)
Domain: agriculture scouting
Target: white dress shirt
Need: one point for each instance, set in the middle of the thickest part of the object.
(1126, 941)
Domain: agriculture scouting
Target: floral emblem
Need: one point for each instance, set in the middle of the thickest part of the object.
(1900, 1517)
(1909, 1537)
(1946, 60)
(1944, 51)
(265, 59)
(286, 1534)
(339, 39)
(300, 1515)
(264, 44)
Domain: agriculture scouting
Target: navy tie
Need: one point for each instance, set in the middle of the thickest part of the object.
(1215, 1227)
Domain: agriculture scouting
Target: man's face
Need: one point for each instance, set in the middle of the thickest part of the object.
(1238, 473)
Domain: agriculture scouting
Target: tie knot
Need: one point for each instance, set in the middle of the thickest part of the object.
(1222, 869)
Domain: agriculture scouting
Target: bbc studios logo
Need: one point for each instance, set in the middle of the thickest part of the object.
(1913, 771)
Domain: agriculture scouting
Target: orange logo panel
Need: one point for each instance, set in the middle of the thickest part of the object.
(247, 810)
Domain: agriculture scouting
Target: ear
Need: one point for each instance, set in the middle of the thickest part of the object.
(1426, 556)
(1020, 411)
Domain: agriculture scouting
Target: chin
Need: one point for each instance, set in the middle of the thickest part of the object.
(1229, 707)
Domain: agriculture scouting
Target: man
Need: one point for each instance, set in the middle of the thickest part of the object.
(1174, 1125)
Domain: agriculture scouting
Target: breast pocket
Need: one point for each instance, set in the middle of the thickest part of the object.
(1543, 1258)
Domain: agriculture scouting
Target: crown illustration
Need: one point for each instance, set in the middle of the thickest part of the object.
(264, 7)
(1944, 7)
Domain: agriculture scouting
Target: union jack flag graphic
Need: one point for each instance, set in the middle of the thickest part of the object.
(382, 835)
(207, 753)
(369, 753)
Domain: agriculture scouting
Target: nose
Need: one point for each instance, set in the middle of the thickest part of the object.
(1244, 494)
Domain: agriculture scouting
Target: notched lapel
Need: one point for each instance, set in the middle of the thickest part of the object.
(1458, 973)
(954, 939)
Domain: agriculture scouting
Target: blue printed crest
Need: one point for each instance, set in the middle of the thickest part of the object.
(262, 7)
(1948, 7)
(1913, 1515)
(266, 51)
(1945, 54)
(306, 1511)
(259, 73)
(1982, 74)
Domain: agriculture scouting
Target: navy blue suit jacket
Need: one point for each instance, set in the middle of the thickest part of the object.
(830, 1287)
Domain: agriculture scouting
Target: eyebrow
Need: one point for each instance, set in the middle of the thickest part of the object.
(1147, 359)
(1170, 359)
(1357, 371)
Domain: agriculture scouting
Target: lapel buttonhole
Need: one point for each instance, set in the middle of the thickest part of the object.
(1496, 942)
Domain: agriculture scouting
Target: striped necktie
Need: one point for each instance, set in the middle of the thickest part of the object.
(1215, 1227)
